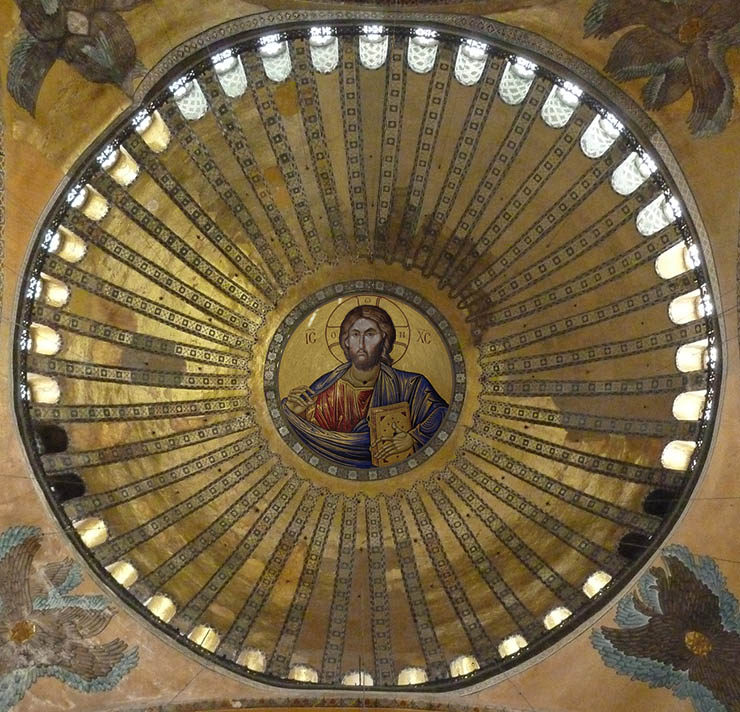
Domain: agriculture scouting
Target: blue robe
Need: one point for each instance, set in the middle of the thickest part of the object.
(352, 449)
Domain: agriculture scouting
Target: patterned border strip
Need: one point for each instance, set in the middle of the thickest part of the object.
(76, 324)
(308, 305)
(293, 623)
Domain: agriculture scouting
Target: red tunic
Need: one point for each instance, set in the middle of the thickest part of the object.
(340, 407)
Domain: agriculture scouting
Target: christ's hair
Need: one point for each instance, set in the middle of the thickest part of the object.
(383, 321)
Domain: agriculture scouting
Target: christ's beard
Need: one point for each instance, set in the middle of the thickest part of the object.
(366, 361)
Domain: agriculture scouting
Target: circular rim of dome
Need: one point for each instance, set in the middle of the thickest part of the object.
(245, 32)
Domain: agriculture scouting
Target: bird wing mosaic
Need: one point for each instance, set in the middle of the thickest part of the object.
(679, 47)
(680, 629)
(46, 630)
(90, 36)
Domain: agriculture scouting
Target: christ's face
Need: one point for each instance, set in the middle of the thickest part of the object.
(365, 344)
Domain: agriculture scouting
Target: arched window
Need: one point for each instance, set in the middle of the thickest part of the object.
(324, 47)
(52, 291)
(693, 356)
(153, 130)
(660, 502)
(358, 678)
(689, 405)
(470, 62)
(42, 389)
(275, 57)
(303, 673)
(422, 50)
(632, 172)
(65, 244)
(556, 616)
(560, 104)
(595, 583)
(50, 438)
(633, 545)
(412, 676)
(43, 340)
(66, 486)
(252, 659)
(463, 665)
(687, 307)
(230, 73)
(657, 214)
(119, 165)
(516, 80)
(92, 531)
(600, 135)
(676, 260)
(677, 454)
(512, 644)
(373, 46)
(123, 572)
(189, 98)
(161, 606)
(89, 202)
(205, 636)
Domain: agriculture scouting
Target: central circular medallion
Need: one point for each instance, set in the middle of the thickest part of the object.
(364, 380)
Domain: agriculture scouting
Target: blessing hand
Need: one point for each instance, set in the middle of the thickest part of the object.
(400, 442)
(300, 399)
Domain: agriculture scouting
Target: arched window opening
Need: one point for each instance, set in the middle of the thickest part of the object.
(511, 645)
(677, 454)
(123, 572)
(205, 636)
(693, 356)
(358, 678)
(52, 291)
(463, 665)
(66, 486)
(687, 307)
(422, 50)
(230, 73)
(560, 104)
(660, 502)
(89, 202)
(632, 172)
(42, 389)
(189, 98)
(43, 340)
(92, 531)
(275, 57)
(50, 438)
(689, 405)
(556, 616)
(373, 46)
(596, 583)
(633, 545)
(657, 214)
(516, 80)
(65, 244)
(303, 673)
(153, 130)
(470, 62)
(324, 47)
(162, 607)
(674, 261)
(412, 676)
(600, 135)
(253, 659)
(119, 165)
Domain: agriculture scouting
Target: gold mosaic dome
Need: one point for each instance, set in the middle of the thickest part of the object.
(369, 354)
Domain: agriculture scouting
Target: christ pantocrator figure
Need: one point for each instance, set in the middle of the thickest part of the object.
(331, 415)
